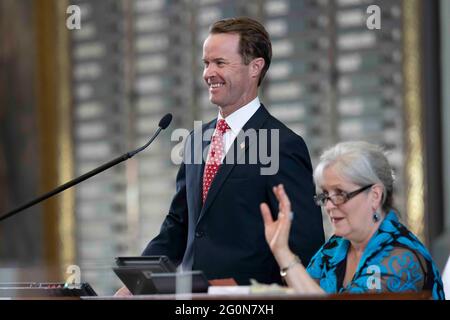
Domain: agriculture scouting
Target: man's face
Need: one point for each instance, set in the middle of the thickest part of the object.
(231, 83)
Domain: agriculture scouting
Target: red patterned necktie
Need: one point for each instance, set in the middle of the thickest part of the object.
(215, 154)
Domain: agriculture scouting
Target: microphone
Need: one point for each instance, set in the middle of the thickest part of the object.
(163, 124)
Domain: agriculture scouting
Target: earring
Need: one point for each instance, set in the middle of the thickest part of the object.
(376, 217)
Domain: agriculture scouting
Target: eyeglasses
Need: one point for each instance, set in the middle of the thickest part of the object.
(338, 198)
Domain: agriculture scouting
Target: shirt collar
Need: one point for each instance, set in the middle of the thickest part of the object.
(239, 118)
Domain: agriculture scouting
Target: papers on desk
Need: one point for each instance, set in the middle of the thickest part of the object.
(229, 290)
(254, 288)
(261, 288)
(446, 279)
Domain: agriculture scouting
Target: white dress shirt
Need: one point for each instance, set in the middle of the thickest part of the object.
(236, 122)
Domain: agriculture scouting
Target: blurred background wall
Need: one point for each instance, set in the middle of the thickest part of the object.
(20, 158)
(71, 100)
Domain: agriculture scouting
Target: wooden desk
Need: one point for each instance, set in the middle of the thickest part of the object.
(425, 295)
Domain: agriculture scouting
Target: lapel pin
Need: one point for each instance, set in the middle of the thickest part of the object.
(242, 145)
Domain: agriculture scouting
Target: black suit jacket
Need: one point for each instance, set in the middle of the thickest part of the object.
(225, 236)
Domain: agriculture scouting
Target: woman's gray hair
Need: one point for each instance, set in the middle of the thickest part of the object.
(362, 163)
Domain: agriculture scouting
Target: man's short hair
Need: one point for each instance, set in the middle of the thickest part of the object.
(254, 41)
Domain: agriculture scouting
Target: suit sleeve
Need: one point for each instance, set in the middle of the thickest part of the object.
(172, 238)
(295, 173)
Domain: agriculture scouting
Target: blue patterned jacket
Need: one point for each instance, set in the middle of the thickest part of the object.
(394, 261)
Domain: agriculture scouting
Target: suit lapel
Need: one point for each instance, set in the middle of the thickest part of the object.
(255, 122)
(207, 131)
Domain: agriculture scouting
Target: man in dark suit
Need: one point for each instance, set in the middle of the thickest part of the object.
(214, 223)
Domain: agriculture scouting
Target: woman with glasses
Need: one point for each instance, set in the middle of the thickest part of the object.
(370, 251)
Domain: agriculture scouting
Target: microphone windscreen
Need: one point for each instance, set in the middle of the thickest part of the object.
(165, 121)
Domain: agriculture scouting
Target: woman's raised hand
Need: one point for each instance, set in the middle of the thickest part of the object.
(277, 232)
